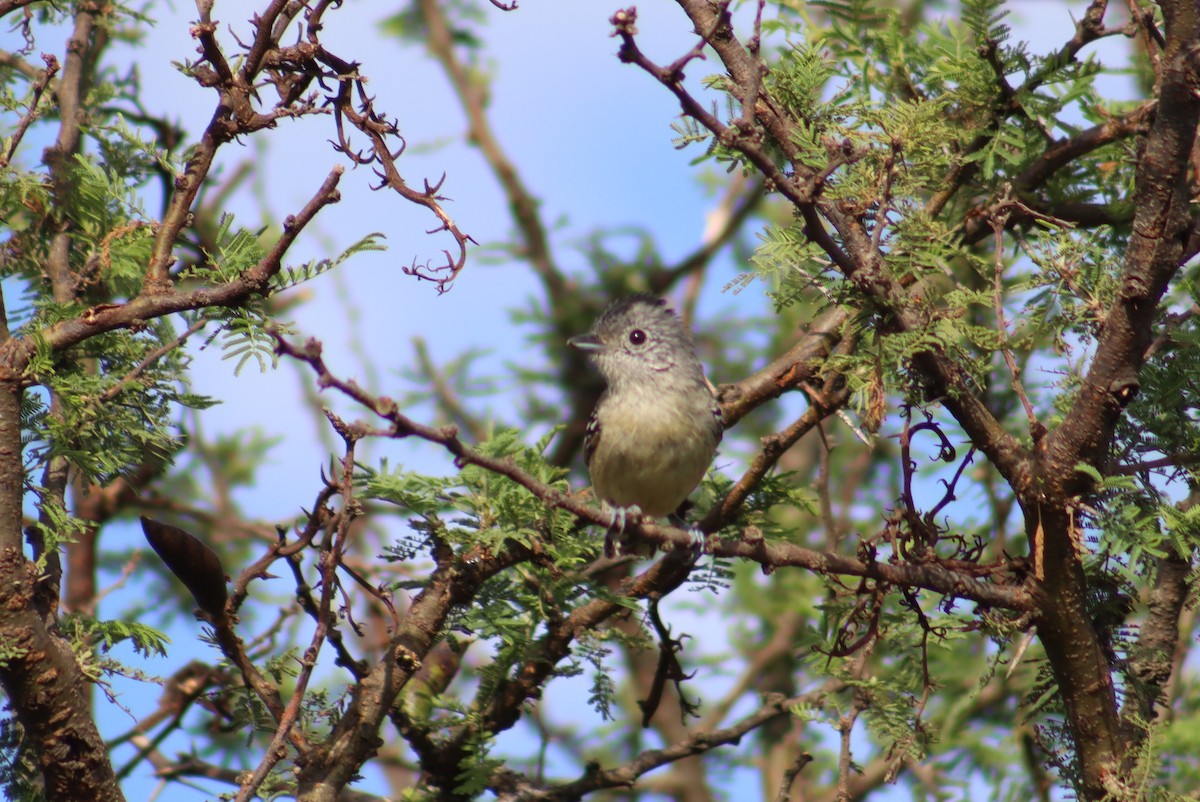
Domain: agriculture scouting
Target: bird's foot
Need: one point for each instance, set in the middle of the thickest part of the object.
(697, 539)
(621, 516)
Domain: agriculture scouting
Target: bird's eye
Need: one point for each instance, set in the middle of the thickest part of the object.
(637, 336)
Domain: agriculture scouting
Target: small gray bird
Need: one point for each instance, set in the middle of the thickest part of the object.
(656, 428)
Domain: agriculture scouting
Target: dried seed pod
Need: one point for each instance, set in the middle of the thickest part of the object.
(196, 565)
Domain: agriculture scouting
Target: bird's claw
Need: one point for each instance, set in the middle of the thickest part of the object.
(621, 516)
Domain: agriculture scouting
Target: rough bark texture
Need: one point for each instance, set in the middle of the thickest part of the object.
(1161, 224)
(39, 673)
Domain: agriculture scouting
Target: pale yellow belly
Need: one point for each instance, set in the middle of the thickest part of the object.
(645, 467)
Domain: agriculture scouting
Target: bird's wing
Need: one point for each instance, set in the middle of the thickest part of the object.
(718, 421)
(591, 439)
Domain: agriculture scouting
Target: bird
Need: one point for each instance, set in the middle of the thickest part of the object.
(655, 429)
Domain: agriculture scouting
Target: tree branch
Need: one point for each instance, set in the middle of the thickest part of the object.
(512, 787)
(747, 544)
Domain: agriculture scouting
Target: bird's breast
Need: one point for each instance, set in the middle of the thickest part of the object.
(653, 455)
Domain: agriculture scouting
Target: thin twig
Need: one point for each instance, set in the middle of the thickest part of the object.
(1002, 325)
(150, 359)
(38, 89)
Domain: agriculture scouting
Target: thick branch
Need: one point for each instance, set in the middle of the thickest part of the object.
(39, 674)
(1160, 229)
(1153, 256)
(789, 371)
(1153, 663)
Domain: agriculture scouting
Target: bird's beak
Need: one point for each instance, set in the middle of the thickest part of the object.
(588, 343)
